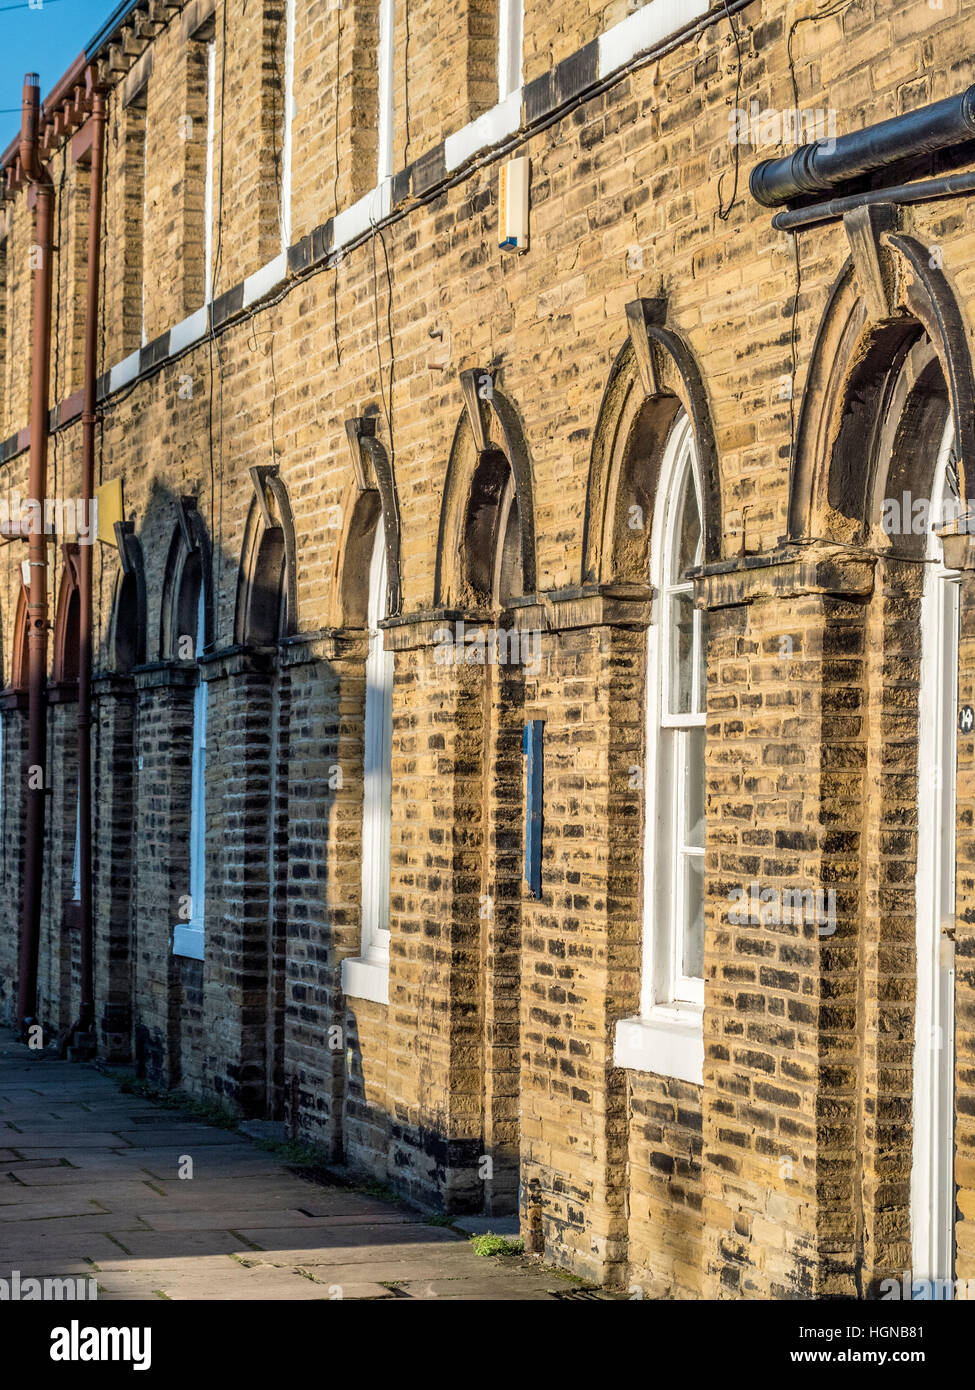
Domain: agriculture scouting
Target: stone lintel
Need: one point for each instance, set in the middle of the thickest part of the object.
(163, 675)
(237, 661)
(608, 605)
(14, 699)
(112, 684)
(327, 644)
(792, 573)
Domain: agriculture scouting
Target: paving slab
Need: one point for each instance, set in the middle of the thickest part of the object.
(149, 1246)
(89, 1177)
(182, 1135)
(84, 1246)
(233, 1218)
(58, 1141)
(90, 1186)
(311, 1256)
(17, 1212)
(67, 1228)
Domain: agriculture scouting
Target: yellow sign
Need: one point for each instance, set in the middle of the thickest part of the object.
(109, 500)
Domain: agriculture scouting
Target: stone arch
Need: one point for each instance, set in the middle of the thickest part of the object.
(128, 638)
(267, 603)
(370, 497)
(188, 564)
(883, 365)
(488, 448)
(641, 401)
(19, 658)
(67, 623)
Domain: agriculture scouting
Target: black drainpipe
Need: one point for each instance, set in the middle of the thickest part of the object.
(821, 166)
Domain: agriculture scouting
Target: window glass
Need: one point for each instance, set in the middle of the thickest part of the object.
(675, 815)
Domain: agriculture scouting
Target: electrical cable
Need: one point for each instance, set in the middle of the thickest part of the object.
(725, 212)
(387, 407)
(794, 333)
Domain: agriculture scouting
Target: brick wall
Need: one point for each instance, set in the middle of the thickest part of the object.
(787, 1172)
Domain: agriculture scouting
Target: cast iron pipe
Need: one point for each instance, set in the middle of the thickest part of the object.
(819, 167)
(89, 419)
(948, 186)
(37, 618)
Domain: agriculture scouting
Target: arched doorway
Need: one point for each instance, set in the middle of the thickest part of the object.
(265, 618)
(882, 461)
(486, 570)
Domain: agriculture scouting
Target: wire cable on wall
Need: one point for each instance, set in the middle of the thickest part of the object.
(804, 19)
(387, 407)
(725, 212)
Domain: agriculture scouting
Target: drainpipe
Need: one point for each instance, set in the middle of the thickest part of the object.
(37, 618)
(89, 419)
(821, 166)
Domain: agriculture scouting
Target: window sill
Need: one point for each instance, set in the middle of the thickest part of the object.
(364, 978)
(669, 1041)
(188, 940)
(481, 134)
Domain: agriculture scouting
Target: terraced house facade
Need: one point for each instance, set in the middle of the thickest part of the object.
(531, 735)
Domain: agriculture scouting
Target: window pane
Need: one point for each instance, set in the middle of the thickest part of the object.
(681, 652)
(693, 944)
(687, 539)
(693, 790)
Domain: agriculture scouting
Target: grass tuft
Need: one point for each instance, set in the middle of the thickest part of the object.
(490, 1244)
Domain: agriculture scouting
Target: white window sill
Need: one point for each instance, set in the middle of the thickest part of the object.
(188, 940)
(355, 221)
(645, 28)
(487, 130)
(669, 1041)
(366, 978)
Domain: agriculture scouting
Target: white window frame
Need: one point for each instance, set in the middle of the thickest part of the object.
(385, 108)
(287, 149)
(667, 1037)
(932, 1168)
(76, 864)
(208, 185)
(510, 40)
(366, 976)
(145, 213)
(188, 937)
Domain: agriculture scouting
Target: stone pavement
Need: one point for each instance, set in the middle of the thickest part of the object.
(89, 1186)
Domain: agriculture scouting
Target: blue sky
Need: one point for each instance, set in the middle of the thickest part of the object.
(46, 39)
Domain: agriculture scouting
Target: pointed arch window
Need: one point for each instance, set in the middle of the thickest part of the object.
(667, 1038)
(367, 976)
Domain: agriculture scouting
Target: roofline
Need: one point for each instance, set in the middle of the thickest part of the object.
(101, 36)
(95, 45)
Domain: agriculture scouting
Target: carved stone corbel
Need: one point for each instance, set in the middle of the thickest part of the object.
(477, 384)
(641, 316)
(864, 226)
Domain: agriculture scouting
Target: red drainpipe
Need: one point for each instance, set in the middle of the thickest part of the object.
(89, 419)
(37, 617)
